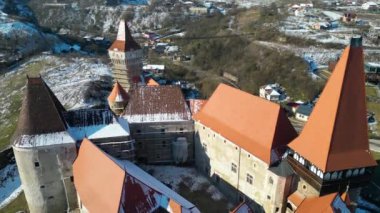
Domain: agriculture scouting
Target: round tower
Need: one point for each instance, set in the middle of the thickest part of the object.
(44, 151)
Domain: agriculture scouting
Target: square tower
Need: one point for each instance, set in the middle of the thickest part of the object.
(126, 56)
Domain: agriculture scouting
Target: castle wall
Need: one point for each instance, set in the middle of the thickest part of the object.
(118, 147)
(46, 177)
(153, 140)
(239, 175)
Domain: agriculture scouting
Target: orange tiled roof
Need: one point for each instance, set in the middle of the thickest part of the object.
(258, 126)
(124, 41)
(152, 82)
(325, 204)
(97, 179)
(296, 198)
(336, 135)
(118, 92)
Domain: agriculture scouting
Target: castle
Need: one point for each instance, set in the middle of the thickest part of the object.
(245, 144)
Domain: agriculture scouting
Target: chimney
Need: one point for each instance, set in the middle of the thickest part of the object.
(356, 41)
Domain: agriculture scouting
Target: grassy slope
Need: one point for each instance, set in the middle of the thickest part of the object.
(19, 204)
(11, 89)
(373, 106)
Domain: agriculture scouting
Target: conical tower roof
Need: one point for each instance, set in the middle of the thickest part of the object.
(118, 94)
(336, 135)
(41, 111)
(124, 41)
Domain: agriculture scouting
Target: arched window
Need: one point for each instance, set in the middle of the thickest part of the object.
(334, 176)
(362, 170)
(348, 173)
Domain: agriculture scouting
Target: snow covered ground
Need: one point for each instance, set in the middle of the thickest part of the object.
(174, 176)
(10, 184)
(77, 82)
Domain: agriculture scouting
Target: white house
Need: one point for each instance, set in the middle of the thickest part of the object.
(272, 92)
(369, 5)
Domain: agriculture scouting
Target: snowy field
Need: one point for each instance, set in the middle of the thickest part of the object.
(77, 82)
(10, 185)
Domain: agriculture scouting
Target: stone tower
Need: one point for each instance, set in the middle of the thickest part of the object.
(118, 99)
(332, 152)
(44, 151)
(126, 56)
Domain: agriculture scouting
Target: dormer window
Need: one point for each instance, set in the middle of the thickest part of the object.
(334, 176)
(327, 176)
(356, 172)
(362, 170)
(348, 173)
(296, 156)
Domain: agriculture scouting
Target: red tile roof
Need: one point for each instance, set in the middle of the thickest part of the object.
(325, 204)
(106, 185)
(152, 82)
(336, 135)
(124, 41)
(257, 125)
(98, 180)
(296, 198)
(118, 93)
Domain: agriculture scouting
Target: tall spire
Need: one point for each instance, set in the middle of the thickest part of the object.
(124, 40)
(336, 135)
(41, 111)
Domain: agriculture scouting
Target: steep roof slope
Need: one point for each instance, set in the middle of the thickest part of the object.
(41, 111)
(158, 103)
(336, 135)
(98, 180)
(107, 185)
(124, 41)
(256, 125)
(118, 94)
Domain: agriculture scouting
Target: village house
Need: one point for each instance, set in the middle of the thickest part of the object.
(160, 122)
(349, 17)
(303, 112)
(126, 56)
(372, 72)
(130, 190)
(272, 92)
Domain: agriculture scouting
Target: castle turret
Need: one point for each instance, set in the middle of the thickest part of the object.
(118, 99)
(44, 151)
(332, 150)
(126, 56)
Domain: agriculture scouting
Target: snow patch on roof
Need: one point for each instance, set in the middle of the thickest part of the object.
(30, 141)
(118, 128)
(163, 117)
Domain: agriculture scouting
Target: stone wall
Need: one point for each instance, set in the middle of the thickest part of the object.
(239, 174)
(153, 140)
(46, 177)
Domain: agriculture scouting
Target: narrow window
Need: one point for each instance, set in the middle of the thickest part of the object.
(270, 180)
(181, 130)
(163, 143)
(72, 178)
(36, 164)
(249, 179)
(138, 131)
(163, 131)
(42, 187)
(233, 168)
